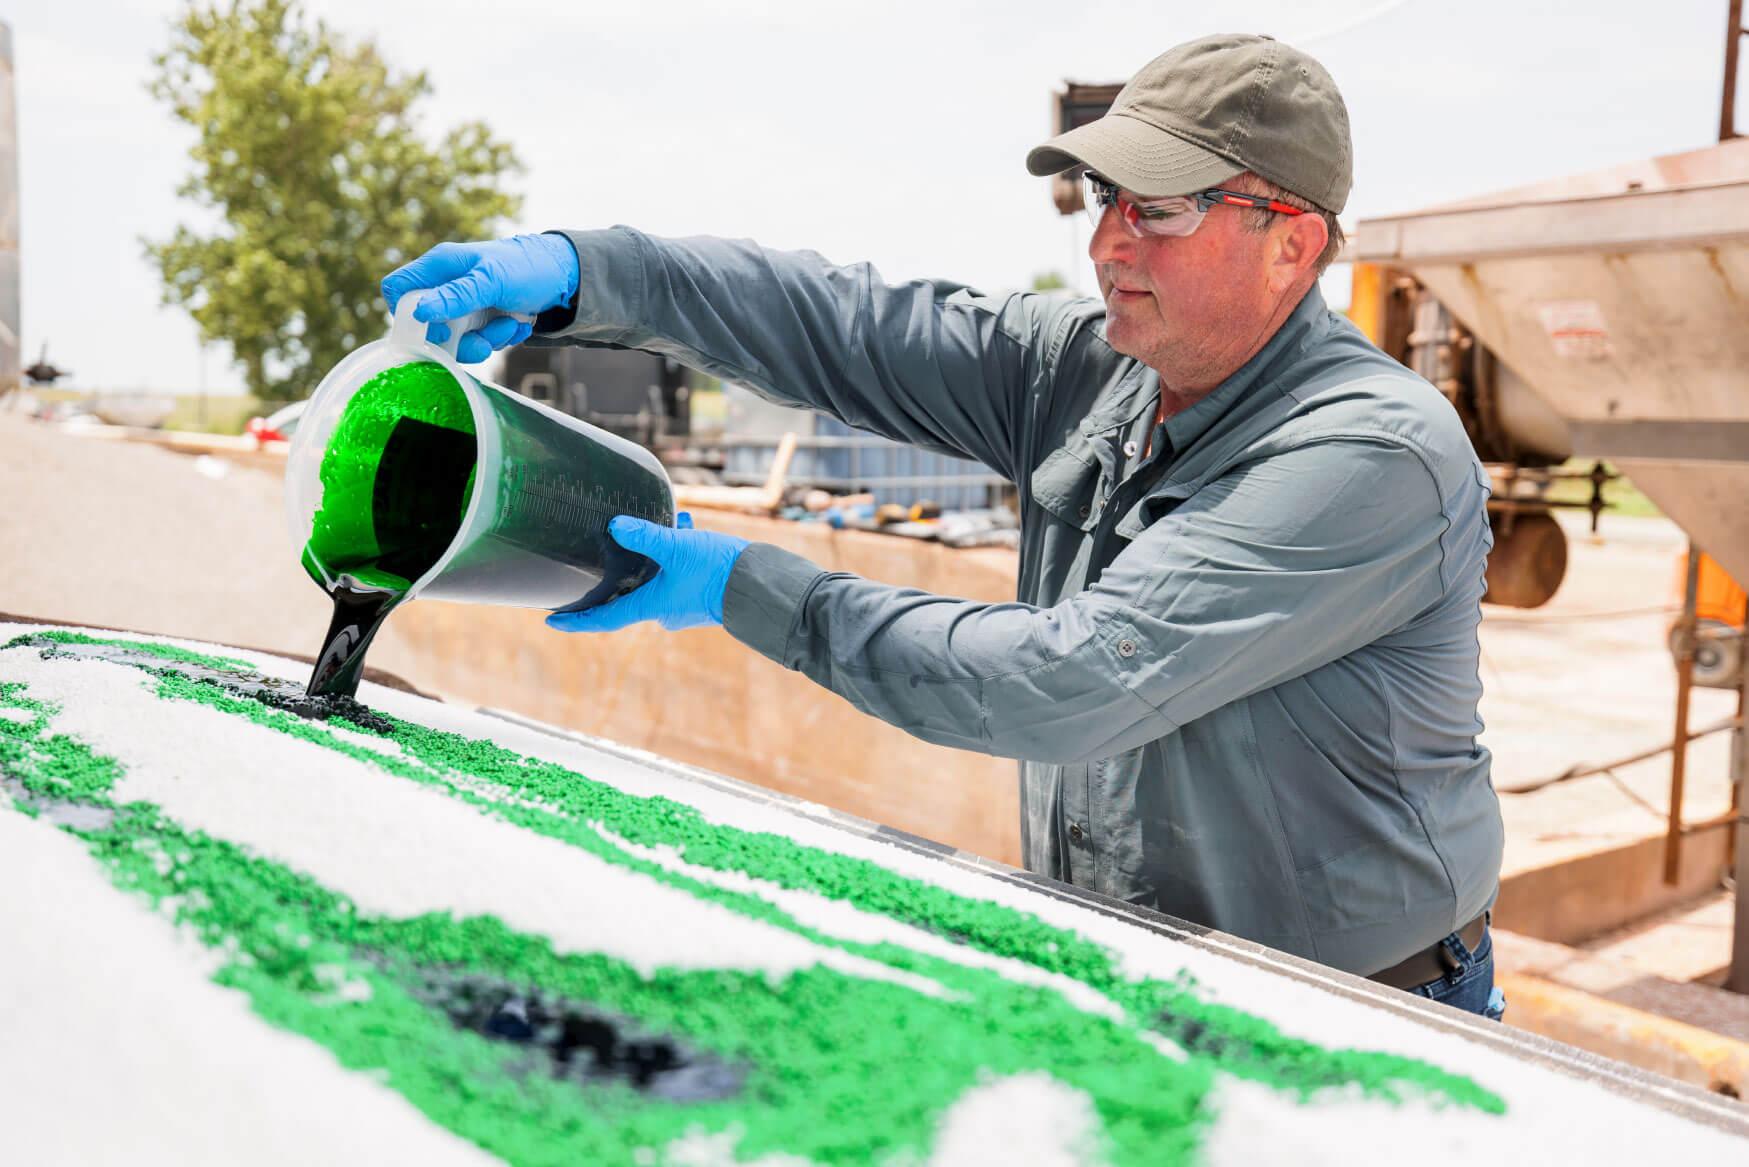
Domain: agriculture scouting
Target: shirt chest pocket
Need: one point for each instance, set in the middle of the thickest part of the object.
(1075, 486)
(1071, 483)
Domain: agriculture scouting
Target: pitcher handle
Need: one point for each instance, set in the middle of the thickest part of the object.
(410, 333)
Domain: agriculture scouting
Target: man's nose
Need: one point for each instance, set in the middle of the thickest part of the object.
(1112, 240)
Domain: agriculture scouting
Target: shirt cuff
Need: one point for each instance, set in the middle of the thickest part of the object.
(762, 604)
(610, 288)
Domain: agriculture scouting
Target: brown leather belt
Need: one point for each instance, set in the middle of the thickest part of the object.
(1430, 964)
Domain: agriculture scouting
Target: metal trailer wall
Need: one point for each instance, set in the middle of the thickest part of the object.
(700, 697)
(9, 322)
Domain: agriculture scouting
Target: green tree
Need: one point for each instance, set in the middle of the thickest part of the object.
(1048, 281)
(312, 172)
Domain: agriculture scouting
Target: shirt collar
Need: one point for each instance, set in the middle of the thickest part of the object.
(1137, 389)
(1305, 323)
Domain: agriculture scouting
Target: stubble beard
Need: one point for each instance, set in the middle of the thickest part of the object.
(1132, 336)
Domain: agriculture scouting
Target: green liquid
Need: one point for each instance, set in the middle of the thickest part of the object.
(396, 479)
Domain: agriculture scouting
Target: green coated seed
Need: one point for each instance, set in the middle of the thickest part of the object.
(834, 1067)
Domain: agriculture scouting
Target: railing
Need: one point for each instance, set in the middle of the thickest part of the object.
(891, 471)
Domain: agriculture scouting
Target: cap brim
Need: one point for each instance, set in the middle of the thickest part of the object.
(1137, 156)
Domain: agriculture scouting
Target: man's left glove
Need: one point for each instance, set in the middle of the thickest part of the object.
(687, 590)
(525, 273)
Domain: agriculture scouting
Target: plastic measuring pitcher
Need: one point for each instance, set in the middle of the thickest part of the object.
(410, 476)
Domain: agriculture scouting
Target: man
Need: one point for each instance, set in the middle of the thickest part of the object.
(1241, 675)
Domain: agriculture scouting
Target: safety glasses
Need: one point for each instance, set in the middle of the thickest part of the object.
(1177, 216)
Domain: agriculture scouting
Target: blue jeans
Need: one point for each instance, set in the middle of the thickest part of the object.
(1470, 986)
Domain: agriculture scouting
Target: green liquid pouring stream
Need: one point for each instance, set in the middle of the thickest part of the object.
(396, 477)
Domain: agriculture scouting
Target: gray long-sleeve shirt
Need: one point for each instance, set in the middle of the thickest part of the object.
(1241, 672)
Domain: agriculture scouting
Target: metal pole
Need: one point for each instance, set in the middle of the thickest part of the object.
(200, 415)
(1733, 39)
(11, 343)
(1737, 980)
(1684, 685)
(1739, 760)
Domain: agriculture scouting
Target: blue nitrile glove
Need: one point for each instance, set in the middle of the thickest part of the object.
(525, 273)
(686, 592)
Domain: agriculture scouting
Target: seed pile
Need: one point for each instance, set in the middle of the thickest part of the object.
(542, 1056)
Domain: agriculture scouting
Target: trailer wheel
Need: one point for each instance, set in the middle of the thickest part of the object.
(1718, 653)
(1528, 562)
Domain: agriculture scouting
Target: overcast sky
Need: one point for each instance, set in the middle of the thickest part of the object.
(893, 133)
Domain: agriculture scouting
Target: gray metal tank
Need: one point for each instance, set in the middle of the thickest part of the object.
(1621, 298)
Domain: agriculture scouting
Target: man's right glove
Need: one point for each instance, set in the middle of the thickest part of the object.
(526, 274)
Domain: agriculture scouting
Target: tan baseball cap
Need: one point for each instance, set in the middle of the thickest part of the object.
(1200, 113)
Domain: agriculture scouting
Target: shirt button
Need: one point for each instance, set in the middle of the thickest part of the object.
(1085, 511)
(1075, 832)
(1126, 648)
(1130, 448)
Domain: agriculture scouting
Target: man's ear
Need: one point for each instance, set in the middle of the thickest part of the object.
(1300, 245)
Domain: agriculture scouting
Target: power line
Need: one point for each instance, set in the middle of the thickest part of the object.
(1349, 25)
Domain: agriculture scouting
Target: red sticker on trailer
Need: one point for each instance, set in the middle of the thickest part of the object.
(1576, 329)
